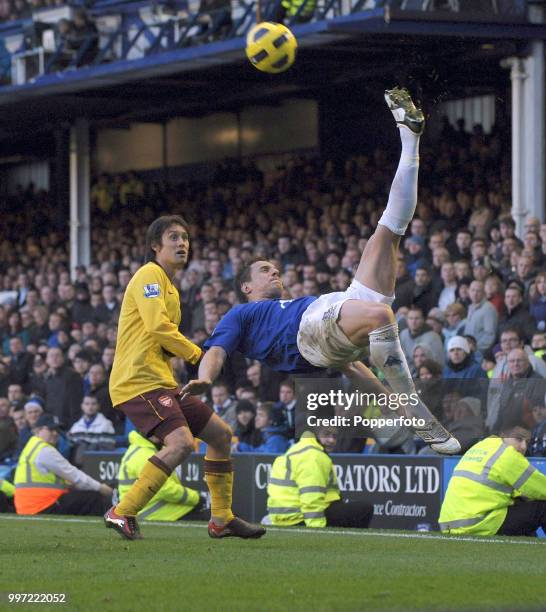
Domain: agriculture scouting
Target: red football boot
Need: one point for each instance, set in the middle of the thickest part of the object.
(126, 526)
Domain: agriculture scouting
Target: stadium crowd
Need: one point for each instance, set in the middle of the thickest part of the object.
(470, 298)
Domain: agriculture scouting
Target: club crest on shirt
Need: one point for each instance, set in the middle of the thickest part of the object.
(329, 314)
(165, 400)
(152, 290)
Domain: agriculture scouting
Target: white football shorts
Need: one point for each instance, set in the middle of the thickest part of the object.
(320, 339)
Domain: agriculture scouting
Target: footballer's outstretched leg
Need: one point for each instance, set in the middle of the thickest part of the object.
(376, 275)
(177, 445)
(219, 478)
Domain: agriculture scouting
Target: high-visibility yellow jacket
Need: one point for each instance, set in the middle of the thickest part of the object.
(34, 490)
(172, 501)
(148, 336)
(487, 479)
(302, 484)
(7, 488)
(292, 7)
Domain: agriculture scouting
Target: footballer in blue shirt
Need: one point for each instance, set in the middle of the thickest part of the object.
(334, 330)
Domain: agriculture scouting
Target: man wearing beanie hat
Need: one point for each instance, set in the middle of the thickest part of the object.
(462, 365)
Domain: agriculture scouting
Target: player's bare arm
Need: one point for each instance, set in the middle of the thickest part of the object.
(210, 367)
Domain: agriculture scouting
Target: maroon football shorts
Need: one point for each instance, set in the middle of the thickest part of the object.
(161, 411)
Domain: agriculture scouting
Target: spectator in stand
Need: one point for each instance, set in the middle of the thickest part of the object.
(93, 431)
(81, 364)
(404, 286)
(421, 353)
(468, 422)
(494, 293)
(456, 320)
(273, 432)
(20, 365)
(415, 257)
(463, 241)
(15, 394)
(510, 339)
(436, 320)
(63, 389)
(537, 447)
(425, 296)
(286, 405)
(108, 359)
(522, 390)
(449, 285)
(516, 314)
(462, 371)
(481, 321)
(82, 310)
(245, 430)
(98, 387)
(429, 385)
(18, 416)
(5, 408)
(538, 302)
(8, 438)
(223, 404)
(92, 420)
(524, 271)
(14, 329)
(108, 310)
(417, 332)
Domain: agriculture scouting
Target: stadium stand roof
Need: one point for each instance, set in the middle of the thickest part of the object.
(362, 48)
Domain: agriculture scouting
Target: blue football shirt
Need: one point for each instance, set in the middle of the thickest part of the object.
(267, 331)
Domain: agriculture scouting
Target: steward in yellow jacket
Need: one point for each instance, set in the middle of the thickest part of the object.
(303, 487)
(46, 482)
(7, 488)
(484, 496)
(172, 501)
(7, 491)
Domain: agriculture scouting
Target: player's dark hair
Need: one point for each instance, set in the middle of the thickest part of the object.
(156, 229)
(244, 276)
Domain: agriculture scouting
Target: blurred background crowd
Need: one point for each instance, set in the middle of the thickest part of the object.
(470, 296)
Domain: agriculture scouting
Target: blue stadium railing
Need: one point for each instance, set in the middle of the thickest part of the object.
(178, 32)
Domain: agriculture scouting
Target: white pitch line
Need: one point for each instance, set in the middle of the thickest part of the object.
(345, 532)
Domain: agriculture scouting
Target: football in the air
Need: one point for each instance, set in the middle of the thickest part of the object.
(271, 47)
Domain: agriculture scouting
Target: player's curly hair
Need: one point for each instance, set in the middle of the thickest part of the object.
(156, 229)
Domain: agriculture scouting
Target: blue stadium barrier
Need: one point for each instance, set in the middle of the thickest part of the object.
(406, 490)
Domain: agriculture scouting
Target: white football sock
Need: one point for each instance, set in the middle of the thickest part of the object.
(387, 355)
(403, 194)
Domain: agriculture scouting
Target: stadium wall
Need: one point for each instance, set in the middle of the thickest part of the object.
(407, 491)
(255, 130)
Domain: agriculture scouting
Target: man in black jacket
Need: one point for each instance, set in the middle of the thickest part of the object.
(63, 389)
(523, 390)
(425, 296)
(20, 365)
(517, 314)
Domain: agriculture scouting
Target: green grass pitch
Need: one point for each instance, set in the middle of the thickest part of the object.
(178, 567)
